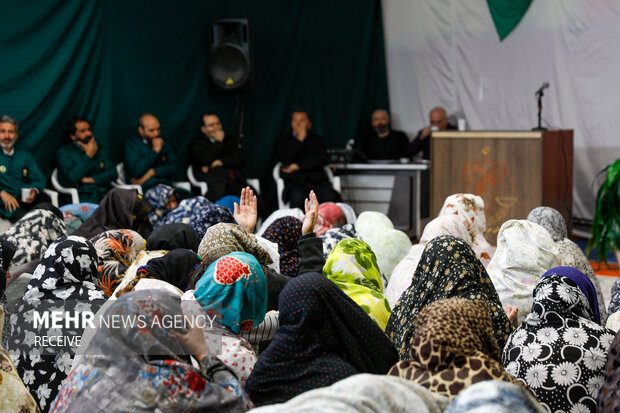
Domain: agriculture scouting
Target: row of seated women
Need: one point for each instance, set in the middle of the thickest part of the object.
(318, 310)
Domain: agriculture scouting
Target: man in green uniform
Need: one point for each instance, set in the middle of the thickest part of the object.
(83, 164)
(18, 171)
(148, 159)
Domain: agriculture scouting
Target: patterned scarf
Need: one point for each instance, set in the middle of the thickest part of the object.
(285, 232)
(403, 272)
(235, 288)
(199, 213)
(525, 251)
(470, 208)
(608, 400)
(453, 347)
(66, 274)
(33, 233)
(352, 266)
(448, 268)
(142, 369)
(116, 250)
(222, 239)
(559, 351)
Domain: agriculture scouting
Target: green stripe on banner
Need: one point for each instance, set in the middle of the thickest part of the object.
(507, 14)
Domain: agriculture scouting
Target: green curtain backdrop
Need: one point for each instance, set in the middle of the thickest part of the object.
(507, 14)
(111, 60)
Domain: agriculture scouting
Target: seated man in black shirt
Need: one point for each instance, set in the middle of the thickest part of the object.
(438, 121)
(303, 156)
(217, 159)
(385, 143)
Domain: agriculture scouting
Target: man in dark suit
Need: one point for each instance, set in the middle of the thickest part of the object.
(303, 156)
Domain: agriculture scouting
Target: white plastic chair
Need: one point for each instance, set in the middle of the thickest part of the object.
(192, 180)
(53, 196)
(333, 180)
(120, 180)
(75, 197)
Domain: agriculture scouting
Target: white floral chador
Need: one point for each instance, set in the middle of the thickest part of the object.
(65, 278)
(559, 351)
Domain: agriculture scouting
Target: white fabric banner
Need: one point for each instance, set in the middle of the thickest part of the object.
(447, 53)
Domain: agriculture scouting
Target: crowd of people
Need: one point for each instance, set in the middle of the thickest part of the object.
(316, 310)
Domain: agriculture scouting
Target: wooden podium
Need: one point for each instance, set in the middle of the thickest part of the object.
(513, 172)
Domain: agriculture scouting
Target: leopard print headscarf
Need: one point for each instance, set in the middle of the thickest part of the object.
(453, 347)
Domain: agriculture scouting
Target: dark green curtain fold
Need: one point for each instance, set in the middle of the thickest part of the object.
(112, 60)
(507, 14)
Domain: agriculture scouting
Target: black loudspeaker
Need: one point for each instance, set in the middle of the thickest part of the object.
(231, 58)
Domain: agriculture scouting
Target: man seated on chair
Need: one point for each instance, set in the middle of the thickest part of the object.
(438, 120)
(217, 159)
(148, 159)
(18, 171)
(384, 142)
(303, 157)
(83, 164)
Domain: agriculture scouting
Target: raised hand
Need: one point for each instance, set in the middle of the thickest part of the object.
(312, 213)
(246, 213)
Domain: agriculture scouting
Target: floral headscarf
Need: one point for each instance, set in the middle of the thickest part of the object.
(33, 233)
(403, 272)
(448, 268)
(551, 220)
(116, 250)
(525, 251)
(235, 288)
(470, 208)
(66, 274)
(132, 368)
(559, 351)
(352, 266)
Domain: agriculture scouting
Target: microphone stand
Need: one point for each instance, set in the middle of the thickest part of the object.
(539, 96)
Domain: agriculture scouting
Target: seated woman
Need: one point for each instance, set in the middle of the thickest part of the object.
(119, 209)
(117, 250)
(33, 233)
(66, 274)
(453, 347)
(403, 272)
(149, 367)
(448, 268)
(330, 216)
(234, 290)
(285, 232)
(172, 236)
(560, 350)
(470, 209)
(199, 213)
(569, 253)
(525, 251)
(324, 337)
(608, 400)
(389, 245)
(14, 396)
(352, 266)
